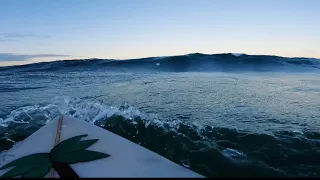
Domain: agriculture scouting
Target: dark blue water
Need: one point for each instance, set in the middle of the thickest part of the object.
(219, 115)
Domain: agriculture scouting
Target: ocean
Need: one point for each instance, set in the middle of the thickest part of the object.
(221, 115)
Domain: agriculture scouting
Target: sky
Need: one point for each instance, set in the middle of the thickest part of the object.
(46, 30)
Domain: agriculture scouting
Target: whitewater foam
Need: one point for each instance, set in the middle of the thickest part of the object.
(232, 153)
(86, 110)
(237, 54)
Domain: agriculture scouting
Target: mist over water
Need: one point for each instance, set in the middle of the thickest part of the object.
(219, 115)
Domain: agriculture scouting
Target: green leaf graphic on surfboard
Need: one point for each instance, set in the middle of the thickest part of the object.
(67, 152)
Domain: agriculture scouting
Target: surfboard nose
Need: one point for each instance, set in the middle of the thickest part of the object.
(127, 159)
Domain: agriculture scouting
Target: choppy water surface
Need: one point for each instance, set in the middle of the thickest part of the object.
(219, 124)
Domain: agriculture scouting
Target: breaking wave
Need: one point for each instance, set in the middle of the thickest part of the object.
(184, 63)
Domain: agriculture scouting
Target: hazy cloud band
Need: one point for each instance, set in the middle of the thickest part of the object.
(24, 57)
(9, 37)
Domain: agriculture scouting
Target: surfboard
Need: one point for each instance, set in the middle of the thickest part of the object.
(93, 152)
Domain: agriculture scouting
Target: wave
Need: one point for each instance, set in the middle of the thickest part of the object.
(190, 62)
(15, 89)
(211, 151)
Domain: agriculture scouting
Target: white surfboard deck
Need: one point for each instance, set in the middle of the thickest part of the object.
(127, 158)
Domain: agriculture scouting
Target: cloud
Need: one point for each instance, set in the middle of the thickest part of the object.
(7, 39)
(12, 37)
(24, 57)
